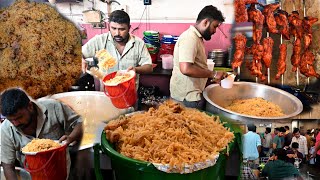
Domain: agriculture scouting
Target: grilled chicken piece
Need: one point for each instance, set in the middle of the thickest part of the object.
(295, 25)
(240, 45)
(269, 17)
(307, 23)
(267, 53)
(282, 21)
(256, 16)
(296, 55)
(255, 66)
(240, 11)
(306, 64)
(281, 66)
(241, 14)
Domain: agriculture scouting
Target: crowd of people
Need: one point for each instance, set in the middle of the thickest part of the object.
(282, 147)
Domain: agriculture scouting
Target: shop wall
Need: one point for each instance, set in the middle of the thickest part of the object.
(165, 16)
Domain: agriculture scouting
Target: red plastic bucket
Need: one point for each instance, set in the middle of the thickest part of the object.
(124, 94)
(49, 165)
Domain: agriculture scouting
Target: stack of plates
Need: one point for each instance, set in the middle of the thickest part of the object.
(167, 44)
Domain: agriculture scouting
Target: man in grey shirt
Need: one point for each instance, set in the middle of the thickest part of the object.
(130, 51)
(27, 119)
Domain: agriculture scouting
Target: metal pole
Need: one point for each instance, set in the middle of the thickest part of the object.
(281, 41)
(305, 14)
(268, 69)
(295, 38)
(238, 72)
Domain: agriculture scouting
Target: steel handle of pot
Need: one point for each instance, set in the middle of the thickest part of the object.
(96, 152)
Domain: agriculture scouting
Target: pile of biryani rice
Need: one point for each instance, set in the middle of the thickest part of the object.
(40, 50)
(255, 107)
(170, 135)
(38, 145)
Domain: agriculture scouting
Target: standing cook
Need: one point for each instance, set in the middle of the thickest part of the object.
(27, 119)
(129, 50)
(190, 71)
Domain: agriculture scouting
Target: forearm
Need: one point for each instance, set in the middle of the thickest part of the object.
(76, 133)
(195, 71)
(9, 171)
(144, 69)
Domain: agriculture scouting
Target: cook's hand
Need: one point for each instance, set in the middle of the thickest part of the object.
(131, 68)
(217, 76)
(84, 65)
(68, 140)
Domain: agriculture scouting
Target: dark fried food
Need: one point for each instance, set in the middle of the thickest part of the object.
(40, 50)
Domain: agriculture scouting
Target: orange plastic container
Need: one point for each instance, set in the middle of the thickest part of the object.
(124, 94)
(49, 165)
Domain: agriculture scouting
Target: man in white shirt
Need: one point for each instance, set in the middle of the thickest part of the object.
(267, 141)
(301, 140)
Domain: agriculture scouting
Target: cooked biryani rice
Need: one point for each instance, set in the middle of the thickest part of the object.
(171, 134)
(38, 145)
(255, 107)
(40, 50)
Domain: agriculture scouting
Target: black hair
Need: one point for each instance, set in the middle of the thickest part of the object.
(281, 153)
(276, 129)
(282, 129)
(287, 143)
(313, 139)
(295, 130)
(13, 100)
(120, 17)
(268, 130)
(210, 12)
(295, 145)
(309, 131)
(252, 127)
(286, 127)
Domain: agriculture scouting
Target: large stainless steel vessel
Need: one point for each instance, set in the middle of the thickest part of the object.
(217, 98)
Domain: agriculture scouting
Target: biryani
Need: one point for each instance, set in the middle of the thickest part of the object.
(119, 78)
(172, 135)
(38, 145)
(106, 61)
(40, 50)
(255, 107)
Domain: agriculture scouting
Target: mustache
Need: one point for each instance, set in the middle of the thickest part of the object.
(118, 37)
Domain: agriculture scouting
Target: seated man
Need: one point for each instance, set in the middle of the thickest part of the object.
(293, 153)
(27, 119)
(277, 168)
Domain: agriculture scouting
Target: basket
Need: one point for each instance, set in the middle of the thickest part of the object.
(124, 94)
(141, 170)
(49, 165)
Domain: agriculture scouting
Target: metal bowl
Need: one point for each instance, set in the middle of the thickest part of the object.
(94, 107)
(218, 97)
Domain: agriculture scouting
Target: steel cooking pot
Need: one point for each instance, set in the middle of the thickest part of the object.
(217, 98)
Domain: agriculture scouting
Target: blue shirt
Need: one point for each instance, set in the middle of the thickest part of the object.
(250, 143)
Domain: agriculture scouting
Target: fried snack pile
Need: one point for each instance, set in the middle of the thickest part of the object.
(255, 107)
(40, 50)
(171, 134)
(106, 61)
(38, 145)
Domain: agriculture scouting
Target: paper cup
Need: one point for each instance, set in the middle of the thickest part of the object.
(210, 64)
(227, 83)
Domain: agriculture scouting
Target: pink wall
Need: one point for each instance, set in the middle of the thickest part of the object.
(218, 41)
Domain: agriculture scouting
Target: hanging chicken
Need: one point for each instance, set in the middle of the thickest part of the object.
(295, 25)
(306, 64)
(281, 18)
(296, 54)
(270, 21)
(256, 16)
(281, 66)
(267, 53)
(307, 23)
(240, 44)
